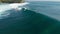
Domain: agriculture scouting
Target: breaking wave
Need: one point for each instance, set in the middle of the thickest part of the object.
(7, 9)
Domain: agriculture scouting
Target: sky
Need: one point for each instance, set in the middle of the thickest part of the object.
(43, 0)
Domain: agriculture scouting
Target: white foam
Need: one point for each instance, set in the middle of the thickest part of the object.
(12, 6)
(15, 6)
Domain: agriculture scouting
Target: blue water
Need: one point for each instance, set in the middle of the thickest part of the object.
(39, 18)
(51, 9)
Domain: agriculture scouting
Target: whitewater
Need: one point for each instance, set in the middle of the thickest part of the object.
(13, 6)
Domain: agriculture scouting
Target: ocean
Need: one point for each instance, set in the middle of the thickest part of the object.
(48, 8)
(40, 17)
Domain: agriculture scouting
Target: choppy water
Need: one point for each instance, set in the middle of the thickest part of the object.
(39, 18)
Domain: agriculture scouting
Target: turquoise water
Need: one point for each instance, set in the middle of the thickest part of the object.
(39, 18)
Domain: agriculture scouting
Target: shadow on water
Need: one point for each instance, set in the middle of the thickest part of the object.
(27, 22)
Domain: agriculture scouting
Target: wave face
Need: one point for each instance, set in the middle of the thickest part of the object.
(38, 18)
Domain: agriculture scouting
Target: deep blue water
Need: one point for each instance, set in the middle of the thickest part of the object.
(40, 18)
